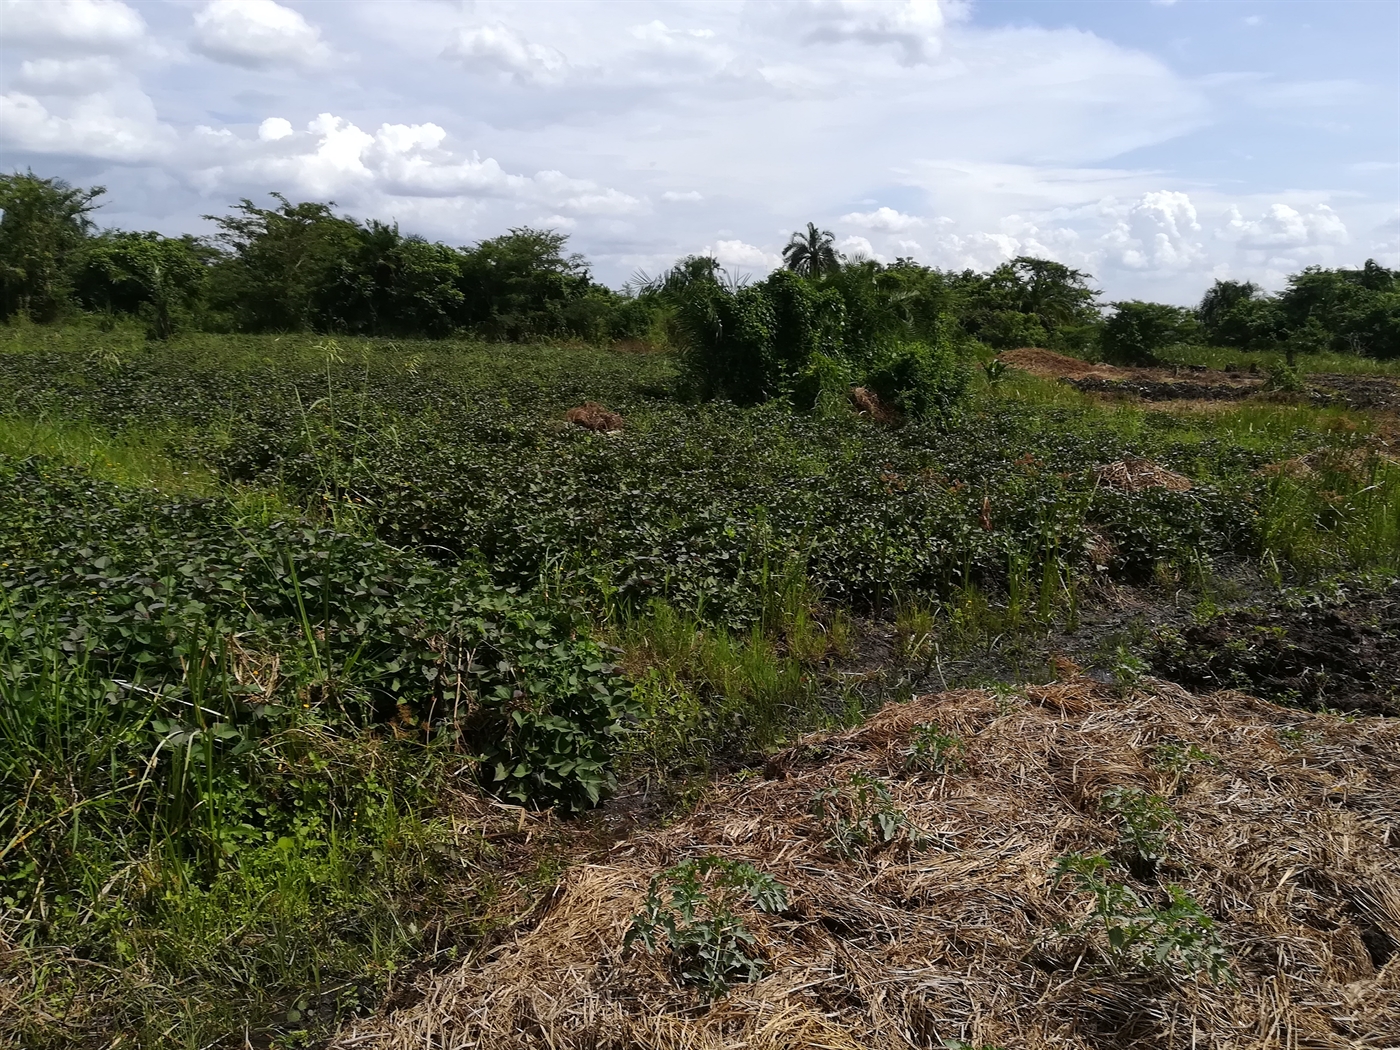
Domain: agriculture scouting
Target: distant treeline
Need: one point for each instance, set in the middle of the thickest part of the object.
(303, 267)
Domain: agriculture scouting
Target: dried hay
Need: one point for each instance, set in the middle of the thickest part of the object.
(1133, 475)
(593, 416)
(1050, 365)
(1289, 838)
(868, 403)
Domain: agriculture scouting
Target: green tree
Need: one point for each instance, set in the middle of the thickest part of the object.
(144, 274)
(1138, 331)
(392, 285)
(519, 285)
(813, 253)
(281, 263)
(42, 231)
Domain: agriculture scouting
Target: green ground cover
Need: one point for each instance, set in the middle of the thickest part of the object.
(273, 603)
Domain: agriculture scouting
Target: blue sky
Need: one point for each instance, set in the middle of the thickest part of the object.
(1156, 145)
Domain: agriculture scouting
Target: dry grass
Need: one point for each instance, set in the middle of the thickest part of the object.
(1134, 474)
(1288, 836)
(593, 416)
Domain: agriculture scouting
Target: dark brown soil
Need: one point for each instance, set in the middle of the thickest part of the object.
(1374, 392)
(1342, 654)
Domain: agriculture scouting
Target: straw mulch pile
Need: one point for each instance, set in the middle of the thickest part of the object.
(1134, 474)
(593, 416)
(1289, 836)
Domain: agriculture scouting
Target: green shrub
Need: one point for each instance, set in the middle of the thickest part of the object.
(1137, 332)
(1141, 936)
(925, 381)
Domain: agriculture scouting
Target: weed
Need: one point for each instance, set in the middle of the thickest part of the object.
(1180, 936)
(860, 815)
(931, 750)
(689, 909)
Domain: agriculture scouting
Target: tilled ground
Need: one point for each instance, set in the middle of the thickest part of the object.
(1341, 653)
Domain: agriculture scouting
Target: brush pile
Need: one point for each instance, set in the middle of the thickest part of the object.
(1247, 856)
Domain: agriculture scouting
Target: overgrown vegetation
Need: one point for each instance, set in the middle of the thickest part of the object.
(288, 590)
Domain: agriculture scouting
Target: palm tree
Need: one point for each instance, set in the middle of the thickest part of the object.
(812, 253)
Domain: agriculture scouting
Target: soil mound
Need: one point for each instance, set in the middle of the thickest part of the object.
(1134, 475)
(593, 416)
(1281, 828)
(1051, 365)
(1343, 655)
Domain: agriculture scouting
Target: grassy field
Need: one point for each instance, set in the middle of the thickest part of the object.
(293, 628)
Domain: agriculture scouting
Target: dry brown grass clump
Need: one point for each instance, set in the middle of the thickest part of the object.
(1288, 834)
(1134, 474)
(868, 403)
(593, 416)
(1050, 365)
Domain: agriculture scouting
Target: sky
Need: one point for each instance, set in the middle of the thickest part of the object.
(1155, 145)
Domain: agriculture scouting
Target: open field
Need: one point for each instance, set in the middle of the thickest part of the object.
(352, 695)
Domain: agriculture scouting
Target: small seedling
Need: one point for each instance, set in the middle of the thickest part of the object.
(1179, 759)
(1146, 820)
(931, 750)
(690, 909)
(995, 370)
(861, 815)
(1140, 936)
(1127, 668)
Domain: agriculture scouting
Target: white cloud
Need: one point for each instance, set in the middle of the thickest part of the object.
(71, 76)
(687, 197)
(886, 220)
(72, 25)
(334, 157)
(119, 126)
(1282, 228)
(854, 247)
(258, 34)
(498, 48)
(274, 128)
(1158, 232)
(736, 254)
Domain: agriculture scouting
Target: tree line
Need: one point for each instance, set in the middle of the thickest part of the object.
(296, 267)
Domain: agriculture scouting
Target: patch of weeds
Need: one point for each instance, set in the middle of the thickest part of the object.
(1180, 759)
(1292, 737)
(1145, 821)
(860, 815)
(689, 909)
(1139, 935)
(932, 750)
(1127, 669)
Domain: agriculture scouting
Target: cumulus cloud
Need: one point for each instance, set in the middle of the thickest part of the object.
(118, 126)
(1282, 228)
(258, 34)
(736, 254)
(885, 220)
(1158, 232)
(856, 248)
(498, 48)
(334, 157)
(102, 26)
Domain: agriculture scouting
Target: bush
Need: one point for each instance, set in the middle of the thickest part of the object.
(1137, 332)
(923, 380)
